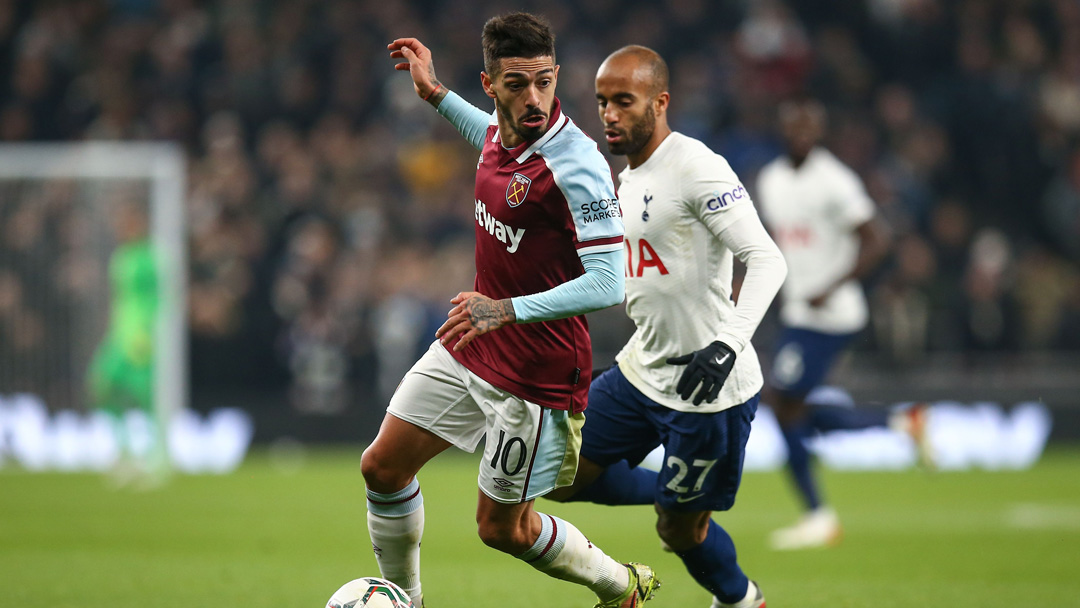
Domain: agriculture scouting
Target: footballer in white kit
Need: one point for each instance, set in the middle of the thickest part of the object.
(814, 212)
(824, 221)
(689, 378)
(681, 211)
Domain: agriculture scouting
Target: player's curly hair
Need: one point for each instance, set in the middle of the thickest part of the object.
(516, 35)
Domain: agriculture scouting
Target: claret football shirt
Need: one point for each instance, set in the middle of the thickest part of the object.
(537, 208)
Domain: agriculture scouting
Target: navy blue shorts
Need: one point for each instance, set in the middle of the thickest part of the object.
(703, 457)
(803, 359)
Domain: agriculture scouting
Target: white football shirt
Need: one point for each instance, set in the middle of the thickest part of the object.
(685, 214)
(813, 212)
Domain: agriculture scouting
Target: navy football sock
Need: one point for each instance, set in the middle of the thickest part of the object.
(799, 463)
(826, 418)
(620, 485)
(713, 565)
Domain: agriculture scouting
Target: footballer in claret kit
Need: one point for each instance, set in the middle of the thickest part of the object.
(513, 360)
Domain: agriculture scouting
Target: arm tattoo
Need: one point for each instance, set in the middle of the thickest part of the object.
(487, 314)
(439, 92)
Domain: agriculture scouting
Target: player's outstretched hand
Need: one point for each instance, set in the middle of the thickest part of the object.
(708, 367)
(474, 314)
(417, 62)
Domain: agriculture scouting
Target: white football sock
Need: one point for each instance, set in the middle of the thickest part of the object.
(396, 526)
(563, 552)
(748, 599)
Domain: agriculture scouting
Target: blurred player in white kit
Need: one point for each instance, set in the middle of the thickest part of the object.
(827, 226)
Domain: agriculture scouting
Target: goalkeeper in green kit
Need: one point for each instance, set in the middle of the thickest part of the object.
(121, 375)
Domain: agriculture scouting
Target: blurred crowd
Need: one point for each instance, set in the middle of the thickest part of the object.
(329, 209)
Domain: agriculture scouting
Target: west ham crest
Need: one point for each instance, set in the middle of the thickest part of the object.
(517, 190)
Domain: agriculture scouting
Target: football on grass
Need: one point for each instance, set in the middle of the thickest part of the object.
(370, 592)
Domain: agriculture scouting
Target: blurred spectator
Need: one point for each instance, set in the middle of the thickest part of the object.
(990, 315)
(776, 47)
(901, 307)
(1061, 208)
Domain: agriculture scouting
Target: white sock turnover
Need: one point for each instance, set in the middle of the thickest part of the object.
(563, 552)
(396, 526)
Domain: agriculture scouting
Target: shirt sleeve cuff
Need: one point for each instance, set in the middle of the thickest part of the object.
(736, 343)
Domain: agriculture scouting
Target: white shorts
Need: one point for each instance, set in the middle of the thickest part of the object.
(530, 450)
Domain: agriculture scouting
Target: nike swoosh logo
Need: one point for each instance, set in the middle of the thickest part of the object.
(721, 360)
(689, 498)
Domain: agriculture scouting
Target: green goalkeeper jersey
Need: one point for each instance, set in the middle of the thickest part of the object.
(133, 275)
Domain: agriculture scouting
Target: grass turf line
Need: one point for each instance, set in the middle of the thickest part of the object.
(267, 537)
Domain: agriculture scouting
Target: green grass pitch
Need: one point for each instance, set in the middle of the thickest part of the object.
(269, 536)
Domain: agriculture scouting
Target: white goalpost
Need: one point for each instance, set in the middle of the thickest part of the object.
(55, 202)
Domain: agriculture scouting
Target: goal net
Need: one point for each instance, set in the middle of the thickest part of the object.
(68, 213)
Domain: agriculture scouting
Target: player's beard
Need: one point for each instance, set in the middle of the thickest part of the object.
(638, 135)
(526, 133)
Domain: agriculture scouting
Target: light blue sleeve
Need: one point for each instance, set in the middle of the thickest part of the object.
(470, 120)
(602, 285)
(584, 177)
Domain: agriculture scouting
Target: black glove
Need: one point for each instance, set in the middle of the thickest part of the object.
(709, 366)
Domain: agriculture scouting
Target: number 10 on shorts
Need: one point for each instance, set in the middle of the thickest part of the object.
(504, 473)
(511, 458)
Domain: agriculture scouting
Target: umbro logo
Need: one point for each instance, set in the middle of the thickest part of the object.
(503, 483)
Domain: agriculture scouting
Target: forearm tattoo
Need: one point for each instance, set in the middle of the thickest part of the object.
(487, 314)
(438, 93)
